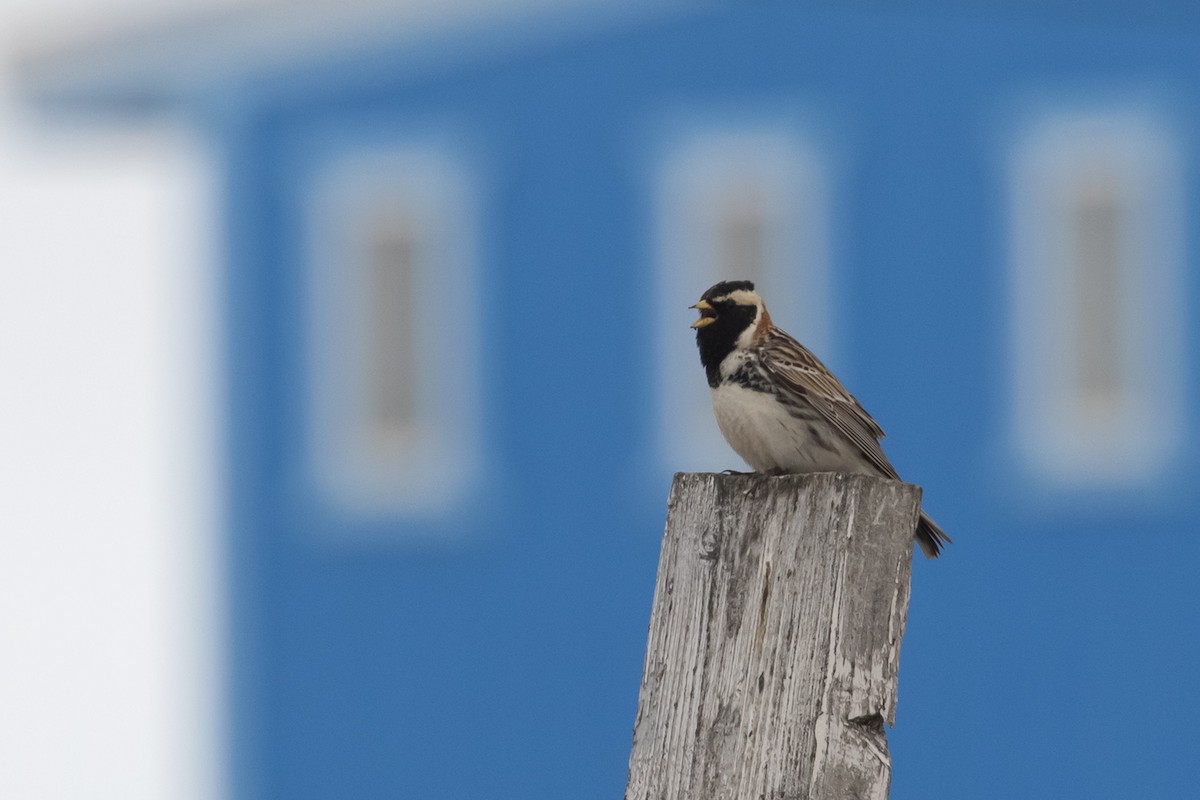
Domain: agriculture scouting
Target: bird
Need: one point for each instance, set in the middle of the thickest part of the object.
(778, 406)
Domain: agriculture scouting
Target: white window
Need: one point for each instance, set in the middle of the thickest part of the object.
(1097, 233)
(742, 204)
(394, 412)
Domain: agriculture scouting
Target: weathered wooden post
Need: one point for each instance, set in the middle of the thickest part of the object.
(774, 639)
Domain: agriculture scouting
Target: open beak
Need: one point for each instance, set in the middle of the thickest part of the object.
(707, 314)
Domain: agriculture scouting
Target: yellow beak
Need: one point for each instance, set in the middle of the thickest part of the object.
(707, 315)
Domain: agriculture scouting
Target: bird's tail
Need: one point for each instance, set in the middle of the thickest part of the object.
(930, 536)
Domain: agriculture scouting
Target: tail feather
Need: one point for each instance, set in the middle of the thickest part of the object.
(930, 536)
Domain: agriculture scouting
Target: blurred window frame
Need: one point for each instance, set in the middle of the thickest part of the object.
(734, 200)
(1097, 232)
(393, 350)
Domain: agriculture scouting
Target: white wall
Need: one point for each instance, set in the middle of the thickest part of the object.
(109, 550)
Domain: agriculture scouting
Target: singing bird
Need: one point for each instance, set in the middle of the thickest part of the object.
(778, 406)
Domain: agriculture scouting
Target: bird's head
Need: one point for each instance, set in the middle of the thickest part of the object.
(728, 310)
(731, 315)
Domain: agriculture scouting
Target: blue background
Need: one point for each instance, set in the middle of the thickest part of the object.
(1049, 653)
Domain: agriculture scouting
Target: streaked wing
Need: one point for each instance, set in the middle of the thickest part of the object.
(804, 380)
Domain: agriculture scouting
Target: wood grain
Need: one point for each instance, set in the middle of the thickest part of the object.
(774, 641)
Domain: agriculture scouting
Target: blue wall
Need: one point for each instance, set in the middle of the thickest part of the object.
(1049, 652)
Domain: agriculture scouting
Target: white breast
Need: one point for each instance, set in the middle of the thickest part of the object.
(767, 437)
